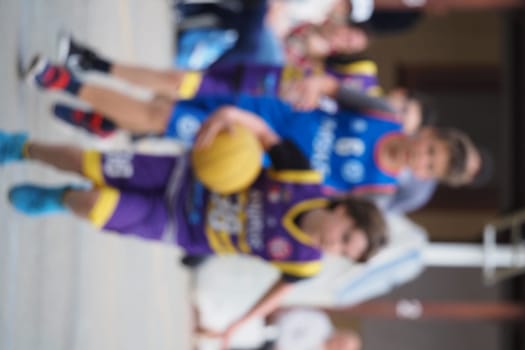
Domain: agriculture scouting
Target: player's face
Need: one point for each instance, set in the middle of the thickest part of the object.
(341, 237)
(428, 156)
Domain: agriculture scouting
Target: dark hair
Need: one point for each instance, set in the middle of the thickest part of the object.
(368, 218)
(393, 21)
(340, 59)
(460, 148)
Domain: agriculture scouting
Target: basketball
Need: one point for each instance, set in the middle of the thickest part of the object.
(230, 163)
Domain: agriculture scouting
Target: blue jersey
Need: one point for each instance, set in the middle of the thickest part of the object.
(342, 145)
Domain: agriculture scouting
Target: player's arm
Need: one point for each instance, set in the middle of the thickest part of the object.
(352, 98)
(225, 117)
(285, 155)
(305, 93)
(268, 303)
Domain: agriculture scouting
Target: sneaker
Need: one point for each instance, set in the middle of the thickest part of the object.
(45, 75)
(74, 55)
(37, 200)
(92, 122)
(12, 146)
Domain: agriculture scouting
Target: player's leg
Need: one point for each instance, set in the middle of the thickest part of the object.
(143, 213)
(37, 200)
(18, 147)
(144, 173)
(107, 208)
(128, 113)
(122, 169)
(130, 213)
(164, 82)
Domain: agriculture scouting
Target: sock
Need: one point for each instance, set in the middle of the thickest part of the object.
(93, 122)
(58, 78)
(101, 64)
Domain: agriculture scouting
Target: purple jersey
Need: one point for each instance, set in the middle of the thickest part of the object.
(158, 198)
(257, 79)
(260, 221)
(359, 75)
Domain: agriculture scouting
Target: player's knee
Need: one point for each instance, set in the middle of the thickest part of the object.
(158, 114)
(175, 77)
(157, 123)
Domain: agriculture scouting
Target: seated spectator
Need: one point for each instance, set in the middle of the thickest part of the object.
(311, 329)
(261, 40)
(306, 329)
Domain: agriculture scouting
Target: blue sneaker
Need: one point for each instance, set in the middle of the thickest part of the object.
(38, 200)
(11, 146)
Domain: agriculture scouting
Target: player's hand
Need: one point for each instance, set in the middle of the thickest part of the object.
(218, 121)
(205, 332)
(224, 337)
(304, 94)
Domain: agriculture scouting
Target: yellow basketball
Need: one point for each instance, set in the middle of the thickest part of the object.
(230, 163)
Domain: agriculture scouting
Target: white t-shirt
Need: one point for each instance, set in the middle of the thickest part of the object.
(316, 11)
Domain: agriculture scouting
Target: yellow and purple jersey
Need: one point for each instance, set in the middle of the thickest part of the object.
(159, 198)
(257, 79)
(361, 75)
(260, 221)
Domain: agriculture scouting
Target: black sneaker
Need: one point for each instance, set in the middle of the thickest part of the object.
(75, 55)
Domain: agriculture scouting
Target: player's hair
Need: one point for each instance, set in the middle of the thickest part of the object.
(343, 59)
(460, 148)
(368, 218)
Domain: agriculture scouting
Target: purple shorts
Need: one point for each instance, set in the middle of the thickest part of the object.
(241, 78)
(133, 191)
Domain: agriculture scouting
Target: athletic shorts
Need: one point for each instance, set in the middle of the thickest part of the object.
(133, 189)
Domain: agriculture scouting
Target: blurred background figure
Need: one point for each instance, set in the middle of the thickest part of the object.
(306, 329)
(267, 32)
